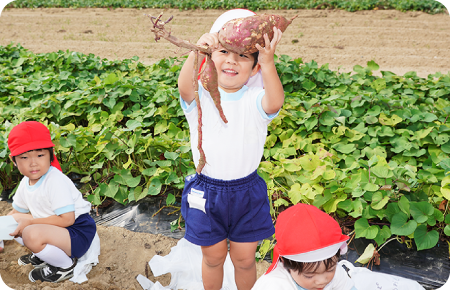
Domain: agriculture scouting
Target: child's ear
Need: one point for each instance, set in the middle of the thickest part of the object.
(256, 69)
(10, 157)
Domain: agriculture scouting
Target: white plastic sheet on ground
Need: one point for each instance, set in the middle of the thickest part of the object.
(85, 263)
(184, 263)
(366, 279)
(185, 259)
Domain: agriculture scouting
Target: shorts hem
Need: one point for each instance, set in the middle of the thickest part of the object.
(254, 238)
(205, 243)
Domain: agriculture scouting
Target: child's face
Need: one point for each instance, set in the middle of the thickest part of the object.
(33, 164)
(316, 280)
(233, 69)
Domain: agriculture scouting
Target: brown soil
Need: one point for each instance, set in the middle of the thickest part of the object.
(397, 41)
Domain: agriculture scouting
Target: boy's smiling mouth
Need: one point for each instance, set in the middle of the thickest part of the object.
(230, 71)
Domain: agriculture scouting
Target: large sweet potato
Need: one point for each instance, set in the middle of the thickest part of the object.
(242, 34)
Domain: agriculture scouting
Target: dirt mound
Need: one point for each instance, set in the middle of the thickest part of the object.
(124, 255)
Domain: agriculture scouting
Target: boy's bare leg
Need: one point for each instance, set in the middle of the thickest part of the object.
(36, 237)
(212, 265)
(243, 257)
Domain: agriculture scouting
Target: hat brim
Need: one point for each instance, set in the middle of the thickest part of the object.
(230, 15)
(320, 254)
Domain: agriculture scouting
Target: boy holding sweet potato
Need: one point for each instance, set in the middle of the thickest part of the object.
(228, 199)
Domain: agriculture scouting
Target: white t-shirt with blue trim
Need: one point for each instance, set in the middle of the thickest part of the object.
(233, 150)
(53, 194)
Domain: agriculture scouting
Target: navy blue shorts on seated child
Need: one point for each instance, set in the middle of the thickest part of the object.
(217, 209)
(82, 232)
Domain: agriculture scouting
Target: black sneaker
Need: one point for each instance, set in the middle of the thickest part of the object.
(33, 260)
(51, 273)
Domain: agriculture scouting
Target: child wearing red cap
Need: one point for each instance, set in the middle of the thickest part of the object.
(309, 243)
(54, 221)
(228, 200)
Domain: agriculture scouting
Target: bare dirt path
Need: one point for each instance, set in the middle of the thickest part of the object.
(397, 41)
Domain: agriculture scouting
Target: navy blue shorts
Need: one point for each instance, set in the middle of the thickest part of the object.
(218, 209)
(82, 232)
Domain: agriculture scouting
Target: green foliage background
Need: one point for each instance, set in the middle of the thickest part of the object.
(429, 6)
(372, 150)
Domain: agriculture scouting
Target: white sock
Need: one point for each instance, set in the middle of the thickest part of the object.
(54, 256)
(19, 240)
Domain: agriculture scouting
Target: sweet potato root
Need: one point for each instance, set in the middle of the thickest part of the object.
(202, 159)
(210, 82)
(242, 34)
(159, 30)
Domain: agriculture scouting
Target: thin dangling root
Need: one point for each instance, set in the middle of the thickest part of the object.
(202, 160)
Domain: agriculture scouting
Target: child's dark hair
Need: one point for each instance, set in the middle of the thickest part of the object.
(310, 266)
(50, 150)
(255, 58)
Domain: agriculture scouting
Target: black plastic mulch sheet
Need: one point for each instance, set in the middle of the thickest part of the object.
(431, 268)
(141, 217)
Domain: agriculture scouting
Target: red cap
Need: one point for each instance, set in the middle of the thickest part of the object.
(30, 135)
(304, 233)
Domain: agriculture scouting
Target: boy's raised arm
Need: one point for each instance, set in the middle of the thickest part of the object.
(274, 97)
(185, 85)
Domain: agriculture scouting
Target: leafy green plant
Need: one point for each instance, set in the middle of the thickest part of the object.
(370, 148)
(373, 150)
(116, 123)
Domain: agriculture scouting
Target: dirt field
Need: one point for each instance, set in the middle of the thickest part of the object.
(398, 42)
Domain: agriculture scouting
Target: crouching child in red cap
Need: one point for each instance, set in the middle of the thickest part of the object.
(53, 218)
(309, 244)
